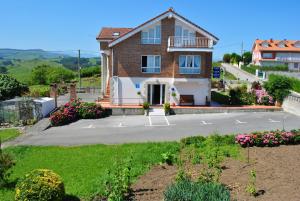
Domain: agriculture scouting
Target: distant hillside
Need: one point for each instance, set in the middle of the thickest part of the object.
(16, 54)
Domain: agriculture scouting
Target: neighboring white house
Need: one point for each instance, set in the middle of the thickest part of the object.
(277, 52)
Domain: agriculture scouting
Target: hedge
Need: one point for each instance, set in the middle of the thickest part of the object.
(252, 68)
(220, 98)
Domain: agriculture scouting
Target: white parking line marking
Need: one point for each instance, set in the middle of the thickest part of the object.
(273, 121)
(89, 126)
(206, 123)
(240, 122)
(168, 123)
(150, 122)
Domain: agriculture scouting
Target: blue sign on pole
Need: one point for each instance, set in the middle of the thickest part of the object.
(216, 72)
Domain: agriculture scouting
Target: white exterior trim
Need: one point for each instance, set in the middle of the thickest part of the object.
(156, 20)
(176, 49)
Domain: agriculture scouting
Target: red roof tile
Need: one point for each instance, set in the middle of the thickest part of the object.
(107, 33)
(273, 45)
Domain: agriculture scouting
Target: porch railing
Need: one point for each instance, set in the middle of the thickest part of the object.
(189, 42)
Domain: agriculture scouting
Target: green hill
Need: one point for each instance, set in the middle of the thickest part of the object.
(15, 54)
(21, 70)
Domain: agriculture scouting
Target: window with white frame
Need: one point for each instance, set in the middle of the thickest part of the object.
(296, 65)
(151, 63)
(189, 64)
(267, 55)
(152, 35)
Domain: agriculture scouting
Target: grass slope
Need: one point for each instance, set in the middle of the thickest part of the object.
(9, 134)
(83, 168)
(21, 70)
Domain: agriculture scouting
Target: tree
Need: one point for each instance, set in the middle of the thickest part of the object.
(235, 58)
(59, 75)
(3, 70)
(10, 87)
(278, 86)
(247, 57)
(226, 58)
(39, 74)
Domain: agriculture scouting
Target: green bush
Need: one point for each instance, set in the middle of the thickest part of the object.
(6, 164)
(39, 74)
(10, 87)
(187, 190)
(221, 98)
(39, 91)
(252, 68)
(278, 87)
(168, 158)
(89, 111)
(90, 71)
(59, 75)
(40, 184)
(146, 106)
(240, 96)
(167, 108)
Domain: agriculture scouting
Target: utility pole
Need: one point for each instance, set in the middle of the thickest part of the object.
(79, 69)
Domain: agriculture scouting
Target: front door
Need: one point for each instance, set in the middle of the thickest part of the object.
(156, 94)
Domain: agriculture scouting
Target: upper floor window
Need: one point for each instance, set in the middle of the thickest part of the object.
(281, 44)
(189, 64)
(268, 55)
(151, 63)
(152, 35)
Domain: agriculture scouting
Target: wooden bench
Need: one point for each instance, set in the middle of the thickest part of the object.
(186, 100)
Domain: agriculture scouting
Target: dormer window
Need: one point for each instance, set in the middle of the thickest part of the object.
(281, 44)
(297, 44)
(151, 35)
(265, 44)
(116, 34)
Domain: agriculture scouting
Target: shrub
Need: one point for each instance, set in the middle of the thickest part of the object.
(168, 158)
(39, 74)
(167, 108)
(240, 96)
(75, 110)
(59, 75)
(146, 106)
(10, 87)
(40, 184)
(220, 98)
(117, 183)
(272, 138)
(251, 187)
(278, 87)
(194, 191)
(6, 164)
(226, 58)
(90, 71)
(89, 111)
(39, 91)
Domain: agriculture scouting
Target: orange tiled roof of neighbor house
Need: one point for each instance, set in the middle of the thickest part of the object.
(277, 45)
(110, 33)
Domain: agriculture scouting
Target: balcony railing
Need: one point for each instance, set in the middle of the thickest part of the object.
(189, 42)
(288, 59)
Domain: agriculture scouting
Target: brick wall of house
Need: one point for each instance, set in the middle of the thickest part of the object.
(127, 56)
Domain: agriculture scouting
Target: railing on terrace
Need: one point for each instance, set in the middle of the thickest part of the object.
(189, 42)
(293, 59)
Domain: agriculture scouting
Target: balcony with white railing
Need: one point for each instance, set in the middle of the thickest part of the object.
(179, 43)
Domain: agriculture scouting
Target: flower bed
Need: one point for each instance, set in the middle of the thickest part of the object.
(272, 138)
(74, 110)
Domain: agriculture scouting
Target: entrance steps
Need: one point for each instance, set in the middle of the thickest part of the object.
(156, 112)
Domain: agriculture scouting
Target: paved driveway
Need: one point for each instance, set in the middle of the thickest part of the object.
(239, 73)
(125, 129)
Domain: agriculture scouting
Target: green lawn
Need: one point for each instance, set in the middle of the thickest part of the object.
(83, 168)
(90, 82)
(229, 76)
(9, 134)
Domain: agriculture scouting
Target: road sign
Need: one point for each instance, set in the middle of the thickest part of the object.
(216, 72)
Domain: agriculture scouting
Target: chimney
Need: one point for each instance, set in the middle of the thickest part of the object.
(271, 40)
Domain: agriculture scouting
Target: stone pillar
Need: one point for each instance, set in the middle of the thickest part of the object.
(54, 93)
(73, 94)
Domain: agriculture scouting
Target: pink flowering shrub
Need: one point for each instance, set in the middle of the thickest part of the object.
(262, 97)
(272, 138)
(74, 110)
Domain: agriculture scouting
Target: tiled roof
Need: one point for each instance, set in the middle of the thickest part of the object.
(273, 45)
(110, 33)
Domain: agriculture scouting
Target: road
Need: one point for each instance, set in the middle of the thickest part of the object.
(242, 75)
(127, 129)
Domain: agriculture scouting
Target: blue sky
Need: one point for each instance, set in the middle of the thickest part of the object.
(74, 24)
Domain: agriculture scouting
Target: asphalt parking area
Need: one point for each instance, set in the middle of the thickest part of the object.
(127, 129)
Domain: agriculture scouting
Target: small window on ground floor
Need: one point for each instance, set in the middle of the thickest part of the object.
(151, 63)
(296, 65)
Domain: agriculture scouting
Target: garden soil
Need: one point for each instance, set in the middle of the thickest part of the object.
(277, 176)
